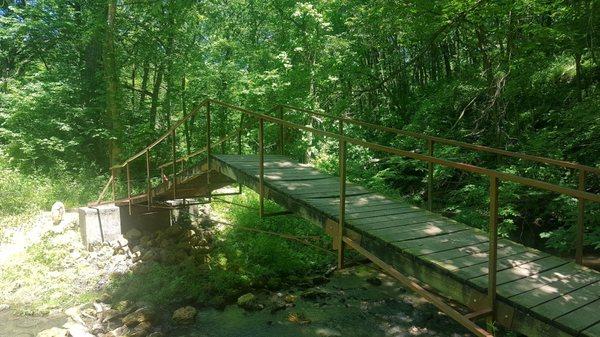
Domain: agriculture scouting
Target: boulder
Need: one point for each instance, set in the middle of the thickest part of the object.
(54, 332)
(143, 314)
(249, 302)
(140, 330)
(185, 315)
(133, 235)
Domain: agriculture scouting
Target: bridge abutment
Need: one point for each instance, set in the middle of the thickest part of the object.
(105, 223)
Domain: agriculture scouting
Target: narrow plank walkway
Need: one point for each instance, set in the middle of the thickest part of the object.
(540, 294)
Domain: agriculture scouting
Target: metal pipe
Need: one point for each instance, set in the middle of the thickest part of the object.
(129, 187)
(493, 248)
(342, 216)
(281, 145)
(580, 221)
(430, 176)
(261, 167)
(174, 149)
(208, 151)
(148, 183)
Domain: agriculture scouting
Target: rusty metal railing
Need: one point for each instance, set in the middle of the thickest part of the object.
(432, 140)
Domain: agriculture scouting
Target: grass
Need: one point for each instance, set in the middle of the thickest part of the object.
(23, 196)
(45, 276)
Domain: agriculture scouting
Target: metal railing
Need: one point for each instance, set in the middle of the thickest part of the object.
(432, 140)
(495, 177)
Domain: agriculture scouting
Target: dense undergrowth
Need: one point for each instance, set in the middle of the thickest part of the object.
(23, 195)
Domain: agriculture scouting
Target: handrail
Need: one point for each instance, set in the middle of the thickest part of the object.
(480, 148)
(461, 166)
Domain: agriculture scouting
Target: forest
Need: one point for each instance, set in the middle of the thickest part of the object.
(85, 84)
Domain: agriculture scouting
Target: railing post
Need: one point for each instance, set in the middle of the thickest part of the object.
(173, 151)
(580, 221)
(129, 187)
(261, 166)
(342, 215)
(148, 184)
(493, 248)
(430, 176)
(208, 151)
(281, 145)
(239, 146)
(114, 189)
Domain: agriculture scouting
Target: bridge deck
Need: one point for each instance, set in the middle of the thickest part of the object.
(538, 294)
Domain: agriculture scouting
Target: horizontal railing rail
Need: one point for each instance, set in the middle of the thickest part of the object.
(451, 142)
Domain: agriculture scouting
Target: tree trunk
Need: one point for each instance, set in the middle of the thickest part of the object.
(112, 84)
(146, 72)
(158, 75)
(186, 124)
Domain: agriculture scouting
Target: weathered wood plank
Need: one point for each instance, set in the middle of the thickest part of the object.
(569, 301)
(593, 331)
(440, 243)
(554, 289)
(415, 231)
(521, 271)
(478, 257)
(506, 262)
(569, 272)
(583, 317)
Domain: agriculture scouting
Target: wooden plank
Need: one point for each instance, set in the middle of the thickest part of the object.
(593, 331)
(442, 258)
(569, 302)
(416, 231)
(554, 289)
(477, 257)
(365, 222)
(507, 262)
(414, 218)
(562, 273)
(365, 211)
(440, 243)
(583, 317)
(522, 271)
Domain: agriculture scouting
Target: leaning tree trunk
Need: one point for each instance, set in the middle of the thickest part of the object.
(112, 84)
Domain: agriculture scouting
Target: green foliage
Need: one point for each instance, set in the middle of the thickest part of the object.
(29, 193)
(520, 75)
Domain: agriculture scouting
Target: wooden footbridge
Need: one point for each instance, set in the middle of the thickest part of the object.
(471, 275)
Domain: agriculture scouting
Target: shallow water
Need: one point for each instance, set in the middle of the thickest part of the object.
(349, 306)
(354, 307)
(12, 325)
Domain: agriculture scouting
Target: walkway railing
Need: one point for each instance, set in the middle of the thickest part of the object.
(495, 177)
(582, 170)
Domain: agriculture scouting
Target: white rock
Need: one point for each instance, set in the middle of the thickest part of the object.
(54, 332)
(57, 212)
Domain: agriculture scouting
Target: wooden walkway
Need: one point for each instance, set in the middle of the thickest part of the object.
(538, 294)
